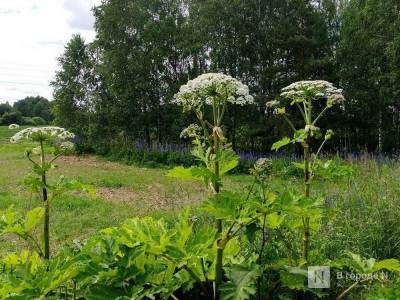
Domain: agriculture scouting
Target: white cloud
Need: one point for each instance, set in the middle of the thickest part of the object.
(33, 35)
(80, 16)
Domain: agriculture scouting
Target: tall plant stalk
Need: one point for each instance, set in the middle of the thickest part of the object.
(220, 250)
(46, 232)
(215, 90)
(58, 139)
(306, 220)
(302, 94)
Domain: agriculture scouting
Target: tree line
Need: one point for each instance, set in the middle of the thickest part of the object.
(28, 111)
(118, 89)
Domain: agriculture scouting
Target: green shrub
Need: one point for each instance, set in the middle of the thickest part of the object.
(13, 117)
(38, 121)
(28, 121)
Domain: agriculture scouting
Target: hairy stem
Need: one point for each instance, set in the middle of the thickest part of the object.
(306, 220)
(46, 234)
(355, 284)
(220, 250)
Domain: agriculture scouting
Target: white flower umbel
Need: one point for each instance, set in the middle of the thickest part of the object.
(192, 131)
(212, 87)
(313, 89)
(13, 126)
(37, 134)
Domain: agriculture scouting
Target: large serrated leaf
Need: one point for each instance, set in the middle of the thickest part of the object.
(223, 206)
(183, 173)
(281, 143)
(242, 282)
(32, 218)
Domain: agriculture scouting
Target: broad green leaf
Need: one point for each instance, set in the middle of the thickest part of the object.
(228, 160)
(388, 264)
(223, 206)
(299, 136)
(274, 220)
(183, 173)
(293, 280)
(250, 232)
(207, 175)
(298, 165)
(279, 144)
(33, 217)
(242, 282)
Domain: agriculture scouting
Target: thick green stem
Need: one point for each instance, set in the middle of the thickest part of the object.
(46, 234)
(220, 250)
(306, 220)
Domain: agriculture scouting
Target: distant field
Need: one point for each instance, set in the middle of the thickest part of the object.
(122, 191)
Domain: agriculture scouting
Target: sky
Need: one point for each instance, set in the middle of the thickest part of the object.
(33, 34)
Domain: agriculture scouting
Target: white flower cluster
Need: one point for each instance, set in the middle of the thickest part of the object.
(42, 134)
(13, 126)
(313, 89)
(212, 87)
(192, 131)
(262, 168)
(67, 146)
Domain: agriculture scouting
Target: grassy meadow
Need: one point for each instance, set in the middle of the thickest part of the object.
(366, 207)
(122, 191)
(362, 212)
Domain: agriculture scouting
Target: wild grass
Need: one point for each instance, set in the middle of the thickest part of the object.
(366, 207)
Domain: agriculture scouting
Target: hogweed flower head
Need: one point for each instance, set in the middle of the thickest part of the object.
(13, 126)
(262, 168)
(37, 134)
(313, 90)
(67, 146)
(211, 87)
(272, 104)
(192, 131)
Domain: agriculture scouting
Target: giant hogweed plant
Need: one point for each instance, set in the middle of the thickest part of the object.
(50, 143)
(304, 96)
(208, 97)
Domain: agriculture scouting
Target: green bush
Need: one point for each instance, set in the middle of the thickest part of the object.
(28, 121)
(39, 121)
(13, 117)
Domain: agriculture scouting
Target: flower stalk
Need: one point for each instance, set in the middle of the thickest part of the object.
(59, 139)
(215, 90)
(302, 94)
(46, 231)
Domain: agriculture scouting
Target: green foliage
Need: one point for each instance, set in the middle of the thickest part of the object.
(283, 142)
(224, 206)
(39, 121)
(12, 222)
(27, 276)
(71, 86)
(242, 281)
(36, 108)
(12, 117)
(366, 266)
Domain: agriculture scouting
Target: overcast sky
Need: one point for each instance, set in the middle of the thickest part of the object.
(32, 35)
